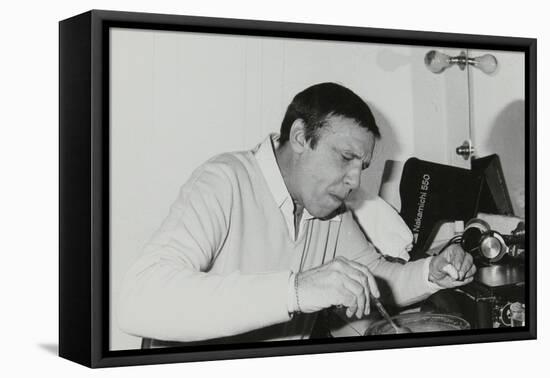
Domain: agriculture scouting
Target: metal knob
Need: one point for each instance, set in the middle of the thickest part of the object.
(466, 150)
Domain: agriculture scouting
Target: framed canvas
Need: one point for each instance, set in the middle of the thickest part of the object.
(235, 188)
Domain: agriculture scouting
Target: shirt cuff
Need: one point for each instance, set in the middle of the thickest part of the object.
(432, 287)
(292, 304)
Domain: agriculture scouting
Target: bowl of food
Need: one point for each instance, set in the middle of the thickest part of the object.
(419, 322)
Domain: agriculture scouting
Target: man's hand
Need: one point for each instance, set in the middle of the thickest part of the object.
(341, 282)
(451, 268)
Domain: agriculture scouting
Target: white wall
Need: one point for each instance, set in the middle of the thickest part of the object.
(29, 190)
(498, 116)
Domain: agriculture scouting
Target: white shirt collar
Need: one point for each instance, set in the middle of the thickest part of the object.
(265, 156)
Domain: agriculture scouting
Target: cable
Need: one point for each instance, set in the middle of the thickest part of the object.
(454, 240)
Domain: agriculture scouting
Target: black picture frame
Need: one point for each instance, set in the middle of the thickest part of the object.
(84, 187)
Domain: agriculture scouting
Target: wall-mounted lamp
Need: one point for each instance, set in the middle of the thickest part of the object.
(438, 62)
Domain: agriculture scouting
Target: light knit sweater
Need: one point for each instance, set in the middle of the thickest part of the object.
(220, 263)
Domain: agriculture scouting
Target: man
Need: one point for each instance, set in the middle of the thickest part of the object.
(259, 241)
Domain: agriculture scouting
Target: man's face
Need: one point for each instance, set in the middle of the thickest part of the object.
(326, 174)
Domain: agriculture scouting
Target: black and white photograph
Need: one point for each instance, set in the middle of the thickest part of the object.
(267, 189)
(276, 188)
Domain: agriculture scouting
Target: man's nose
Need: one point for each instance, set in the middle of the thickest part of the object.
(353, 178)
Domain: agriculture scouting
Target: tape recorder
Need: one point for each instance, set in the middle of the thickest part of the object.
(496, 296)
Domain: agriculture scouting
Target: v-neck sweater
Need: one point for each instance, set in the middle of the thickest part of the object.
(220, 263)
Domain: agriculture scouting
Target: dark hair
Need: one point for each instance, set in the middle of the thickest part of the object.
(314, 105)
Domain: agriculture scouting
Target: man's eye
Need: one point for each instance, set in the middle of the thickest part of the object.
(347, 158)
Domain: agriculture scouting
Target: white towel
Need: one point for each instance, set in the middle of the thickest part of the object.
(385, 228)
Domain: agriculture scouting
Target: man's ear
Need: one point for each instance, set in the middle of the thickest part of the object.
(297, 136)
